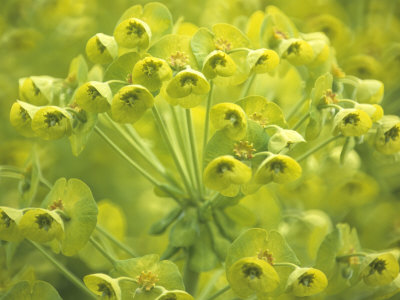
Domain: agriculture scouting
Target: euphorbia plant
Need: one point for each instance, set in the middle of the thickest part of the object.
(225, 135)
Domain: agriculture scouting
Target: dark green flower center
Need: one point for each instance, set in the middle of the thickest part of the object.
(6, 219)
(252, 270)
(352, 187)
(392, 134)
(130, 97)
(224, 167)
(44, 221)
(377, 265)
(135, 28)
(306, 279)
(93, 92)
(262, 59)
(277, 166)
(100, 46)
(188, 80)
(233, 117)
(53, 118)
(351, 119)
(24, 114)
(36, 90)
(151, 67)
(294, 48)
(217, 60)
(105, 289)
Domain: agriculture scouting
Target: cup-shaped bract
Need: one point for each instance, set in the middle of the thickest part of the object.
(21, 120)
(151, 72)
(306, 282)
(262, 60)
(41, 225)
(103, 285)
(225, 174)
(101, 49)
(133, 33)
(297, 51)
(231, 118)
(284, 138)
(278, 168)
(9, 230)
(130, 103)
(382, 270)
(387, 139)
(218, 63)
(374, 111)
(31, 93)
(175, 295)
(94, 96)
(51, 123)
(251, 275)
(369, 91)
(352, 122)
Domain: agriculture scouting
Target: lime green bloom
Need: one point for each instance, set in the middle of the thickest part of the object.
(251, 275)
(51, 123)
(130, 103)
(185, 86)
(278, 168)
(218, 63)
(381, 270)
(133, 33)
(151, 72)
(352, 122)
(101, 49)
(21, 120)
(225, 174)
(306, 282)
(103, 286)
(175, 295)
(9, 230)
(387, 139)
(262, 60)
(297, 52)
(370, 91)
(41, 225)
(94, 96)
(31, 93)
(231, 118)
(374, 111)
(284, 138)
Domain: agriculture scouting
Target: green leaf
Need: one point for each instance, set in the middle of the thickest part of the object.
(183, 233)
(96, 73)
(241, 215)
(121, 68)
(38, 290)
(159, 19)
(160, 226)
(82, 131)
(202, 44)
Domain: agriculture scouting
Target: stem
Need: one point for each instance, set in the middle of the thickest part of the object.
(238, 50)
(194, 151)
(76, 281)
(99, 248)
(117, 81)
(352, 102)
(285, 264)
(276, 127)
(11, 175)
(220, 292)
(167, 140)
(315, 149)
(263, 153)
(115, 241)
(207, 120)
(249, 83)
(345, 257)
(335, 106)
(301, 121)
(190, 279)
(296, 108)
(138, 168)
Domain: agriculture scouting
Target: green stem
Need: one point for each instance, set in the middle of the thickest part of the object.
(249, 83)
(238, 50)
(167, 189)
(99, 248)
(218, 293)
(167, 140)
(207, 119)
(296, 109)
(301, 121)
(352, 102)
(12, 169)
(273, 127)
(286, 264)
(193, 147)
(345, 257)
(115, 241)
(190, 279)
(11, 175)
(263, 153)
(76, 281)
(315, 149)
(117, 81)
(335, 106)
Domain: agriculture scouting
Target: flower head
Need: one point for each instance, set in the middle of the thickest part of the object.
(381, 270)
(352, 122)
(151, 72)
(103, 286)
(133, 33)
(94, 97)
(231, 118)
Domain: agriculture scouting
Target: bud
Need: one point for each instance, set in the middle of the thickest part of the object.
(369, 91)
(382, 270)
(101, 49)
(231, 118)
(306, 282)
(297, 52)
(94, 97)
(352, 122)
(151, 72)
(21, 120)
(262, 60)
(225, 174)
(9, 230)
(218, 63)
(51, 123)
(278, 168)
(133, 33)
(387, 139)
(284, 138)
(103, 286)
(31, 93)
(130, 103)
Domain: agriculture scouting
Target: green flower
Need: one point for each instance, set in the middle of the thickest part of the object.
(297, 52)
(103, 286)
(369, 91)
(101, 49)
(130, 103)
(94, 96)
(306, 282)
(51, 123)
(21, 120)
(352, 122)
(374, 111)
(262, 60)
(133, 33)
(382, 270)
(225, 174)
(278, 168)
(218, 63)
(387, 139)
(9, 230)
(251, 275)
(188, 88)
(175, 295)
(41, 225)
(31, 93)
(231, 118)
(151, 72)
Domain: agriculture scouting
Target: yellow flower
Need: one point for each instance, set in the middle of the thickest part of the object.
(101, 49)
(352, 122)
(231, 118)
(103, 286)
(381, 270)
(387, 139)
(218, 63)
(278, 168)
(133, 33)
(262, 60)
(175, 295)
(306, 282)
(370, 91)
(151, 72)
(94, 96)
(51, 123)
(297, 52)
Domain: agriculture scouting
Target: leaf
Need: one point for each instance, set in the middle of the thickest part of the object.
(96, 73)
(121, 68)
(185, 230)
(38, 290)
(202, 44)
(160, 226)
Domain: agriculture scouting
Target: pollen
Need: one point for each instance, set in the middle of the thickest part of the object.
(244, 150)
(257, 117)
(222, 44)
(147, 280)
(266, 255)
(178, 60)
(57, 204)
